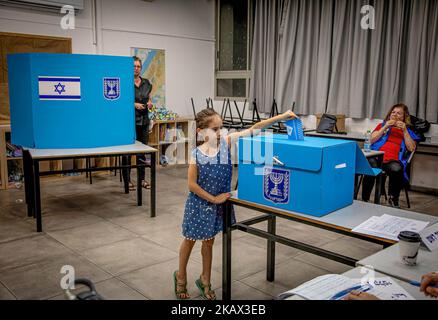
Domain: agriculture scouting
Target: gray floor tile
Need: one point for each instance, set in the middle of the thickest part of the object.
(285, 251)
(156, 282)
(66, 220)
(323, 263)
(30, 250)
(128, 255)
(91, 236)
(11, 197)
(42, 280)
(57, 205)
(5, 294)
(167, 238)
(111, 289)
(304, 233)
(88, 200)
(241, 291)
(114, 289)
(431, 207)
(12, 228)
(288, 275)
(353, 248)
(247, 259)
(18, 210)
(143, 224)
(115, 210)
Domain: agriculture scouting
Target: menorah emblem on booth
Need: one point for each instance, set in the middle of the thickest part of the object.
(111, 85)
(111, 88)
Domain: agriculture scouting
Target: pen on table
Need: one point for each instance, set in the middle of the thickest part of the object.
(418, 284)
(343, 293)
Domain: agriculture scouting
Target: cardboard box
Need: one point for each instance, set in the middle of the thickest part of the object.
(314, 176)
(71, 100)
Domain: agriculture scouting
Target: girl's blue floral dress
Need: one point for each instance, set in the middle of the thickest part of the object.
(203, 219)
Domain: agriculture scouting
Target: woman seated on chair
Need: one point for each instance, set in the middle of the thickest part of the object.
(397, 140)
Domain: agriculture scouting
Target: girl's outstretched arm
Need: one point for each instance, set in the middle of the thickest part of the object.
(260, 125)
(196, 189)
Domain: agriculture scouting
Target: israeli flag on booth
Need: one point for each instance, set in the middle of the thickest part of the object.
(59, 88)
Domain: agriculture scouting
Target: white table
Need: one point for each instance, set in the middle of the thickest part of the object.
(32, 157)
(387, 261)
(357, 274)
(340, 221)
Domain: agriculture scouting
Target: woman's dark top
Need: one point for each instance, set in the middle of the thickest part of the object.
(142, 93)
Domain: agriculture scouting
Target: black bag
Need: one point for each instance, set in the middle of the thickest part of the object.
(420, 127)
(327, 124)
(90, 294)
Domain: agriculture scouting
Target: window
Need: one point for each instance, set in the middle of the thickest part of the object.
(234, 24)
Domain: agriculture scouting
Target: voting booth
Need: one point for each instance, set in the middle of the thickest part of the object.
(313, 176)
(71, 100)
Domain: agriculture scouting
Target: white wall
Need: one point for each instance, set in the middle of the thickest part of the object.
(185, 29)
(47, 23)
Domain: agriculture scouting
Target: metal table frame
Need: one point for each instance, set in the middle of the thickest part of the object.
(32, 176)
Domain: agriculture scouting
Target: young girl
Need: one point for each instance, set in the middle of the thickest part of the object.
(209, 181)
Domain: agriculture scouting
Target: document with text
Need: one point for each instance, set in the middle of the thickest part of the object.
(388, 226)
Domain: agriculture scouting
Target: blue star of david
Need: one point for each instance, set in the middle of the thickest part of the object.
(59, 88)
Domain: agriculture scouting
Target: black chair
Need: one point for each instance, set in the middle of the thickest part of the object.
(406, 184)
(209, 104)
(230, 121)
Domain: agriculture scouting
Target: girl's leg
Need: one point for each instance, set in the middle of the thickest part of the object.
(184, 255)
(207, 259)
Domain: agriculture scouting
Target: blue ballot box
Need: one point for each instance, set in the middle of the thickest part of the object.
(314, 176)
(71, 100)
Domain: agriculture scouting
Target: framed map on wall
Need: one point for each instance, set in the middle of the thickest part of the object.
(153, 69)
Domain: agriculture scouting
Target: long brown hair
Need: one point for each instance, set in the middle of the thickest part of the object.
(203, 119)
(406, 116)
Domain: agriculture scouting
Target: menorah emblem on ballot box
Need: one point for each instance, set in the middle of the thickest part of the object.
(276, 185)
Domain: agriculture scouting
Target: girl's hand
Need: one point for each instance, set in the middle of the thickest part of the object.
(288, 115)
(221, 198)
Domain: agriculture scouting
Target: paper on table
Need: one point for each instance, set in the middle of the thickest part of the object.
(321, 288)
(325, 287)
(430, 237)
(388, 226)
(385, 288)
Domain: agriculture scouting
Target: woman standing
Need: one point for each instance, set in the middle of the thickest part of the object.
(143, 89)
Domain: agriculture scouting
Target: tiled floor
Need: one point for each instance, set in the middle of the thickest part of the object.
(101, 232)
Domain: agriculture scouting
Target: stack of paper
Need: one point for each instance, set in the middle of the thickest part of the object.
(388, 227)
(327, 286)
